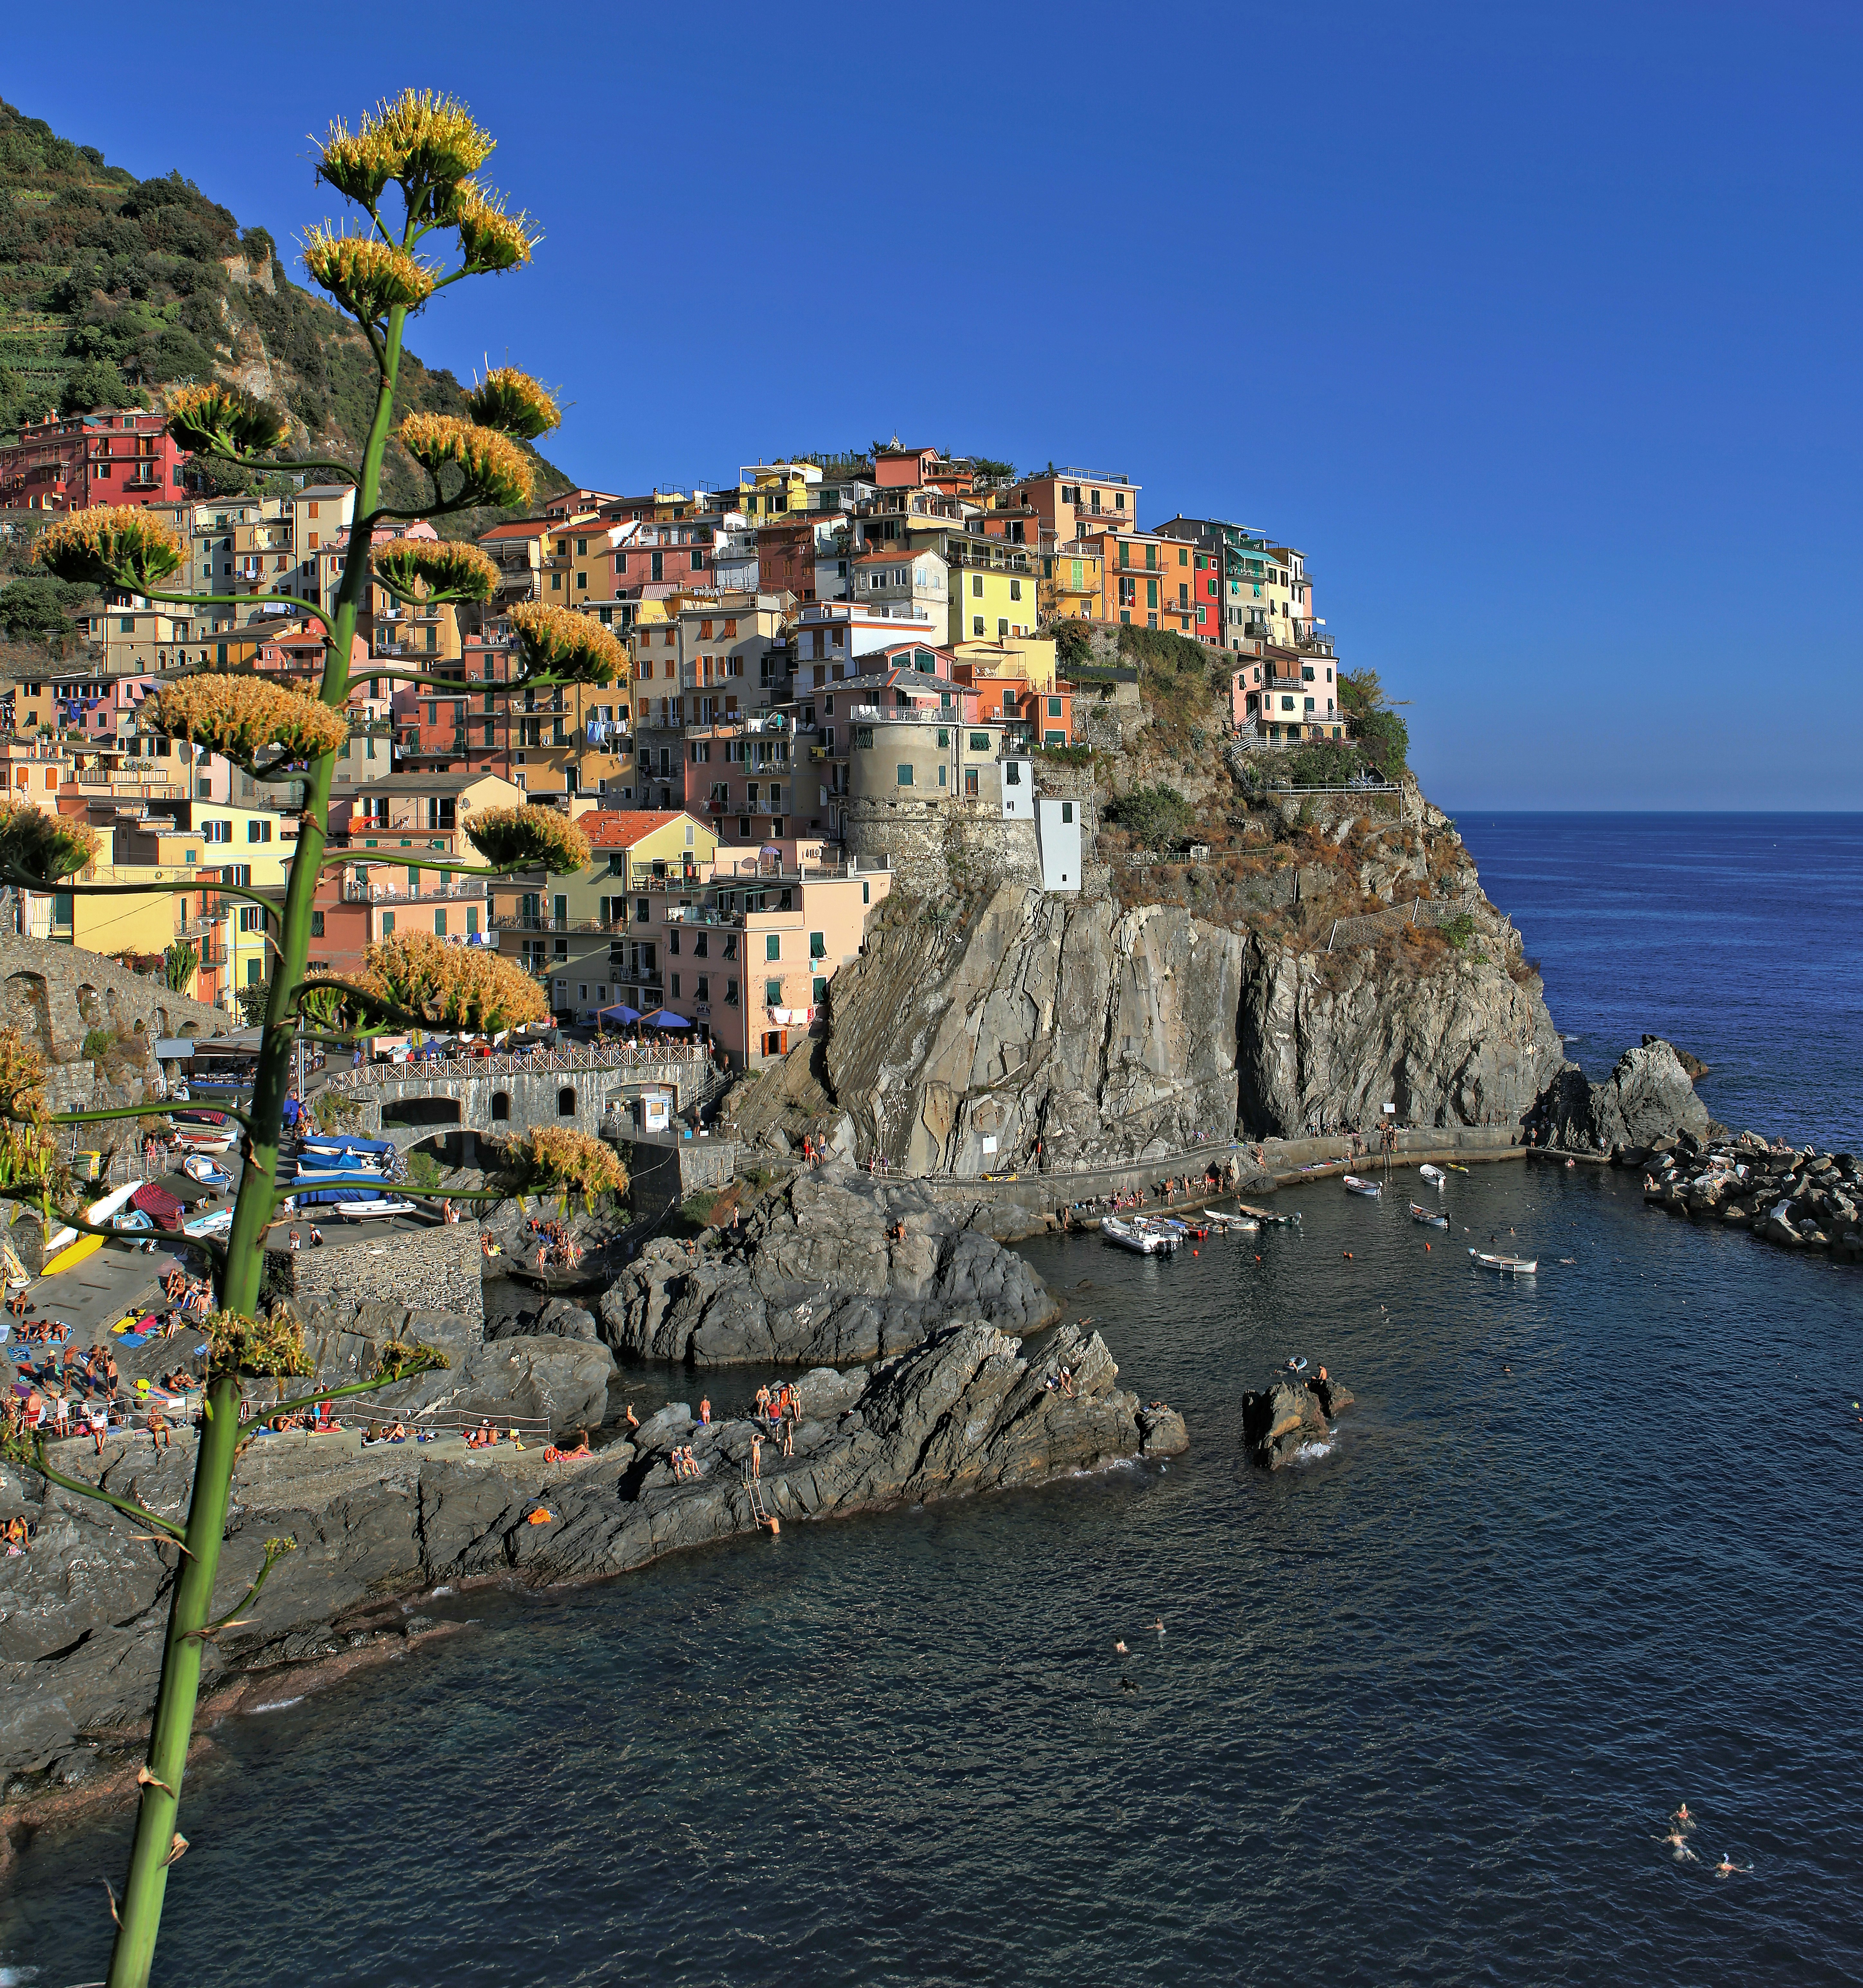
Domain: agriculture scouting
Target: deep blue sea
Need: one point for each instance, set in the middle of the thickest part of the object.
(1590, 1545)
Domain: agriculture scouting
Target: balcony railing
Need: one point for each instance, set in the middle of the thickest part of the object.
(388, 894)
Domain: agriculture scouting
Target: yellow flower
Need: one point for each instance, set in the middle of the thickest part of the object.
(567, 648)
(39, 844)
(270, 1346)
(225, 420)
(497, 471)
(244, 717)
(427, 140)
(367, 277)
(513, 401)
(111, 545)
(358, 165)
(442, 568)
(491, 240)
(451, 986)
(534, 837)
(550, 1158)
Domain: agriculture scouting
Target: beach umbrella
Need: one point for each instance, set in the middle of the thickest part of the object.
(664, 1017)
(620, 1011)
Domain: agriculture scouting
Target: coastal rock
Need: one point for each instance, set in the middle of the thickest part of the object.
(1693, 1066)
(964, 1410)
(834, 1266)
(1289, 1416)
(1647, 1099)
(561, 1381)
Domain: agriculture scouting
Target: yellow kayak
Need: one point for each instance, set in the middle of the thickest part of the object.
(85, 1245)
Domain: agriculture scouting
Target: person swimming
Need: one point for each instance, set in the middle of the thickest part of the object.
(1678, 1843)
(1726, 1868)
(1120, 1649)
(1682, 1818)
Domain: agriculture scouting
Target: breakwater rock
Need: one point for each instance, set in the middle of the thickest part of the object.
(1649, 1096)
(1289, 1415)
(82, 1613)
(834, 1266)
(1799, 1200)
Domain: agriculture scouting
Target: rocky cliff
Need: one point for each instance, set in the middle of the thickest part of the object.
(82, 1613)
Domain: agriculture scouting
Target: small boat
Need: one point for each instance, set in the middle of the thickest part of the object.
(216, 1224)
(72, 1254)
(353, 1204)
(198, 1167)
(1355, 1185)
(1234, 1224)
(1435, 1175)
(1511, 1266)
(1143, 1242)
(1453, 1168)
(1429, 1216)
(1269, 1218)
(1295, 1362)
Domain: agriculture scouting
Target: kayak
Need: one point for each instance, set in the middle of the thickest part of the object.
(85, 1245)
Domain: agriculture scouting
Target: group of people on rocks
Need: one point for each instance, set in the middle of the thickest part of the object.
(553, 1242)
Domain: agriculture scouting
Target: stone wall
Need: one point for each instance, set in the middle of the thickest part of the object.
(435, 1269)
(54, 994)
(662, 1173)
(411, 1110)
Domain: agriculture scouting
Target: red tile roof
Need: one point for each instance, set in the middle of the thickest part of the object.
(621, 828)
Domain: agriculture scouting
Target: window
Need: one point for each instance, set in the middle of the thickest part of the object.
(772, 945)
(976, 624)
(976, 585)
(216, 831)
(251, 918)
(864, 734)
(865, 892)
(387, 924)
(944, 740)
(818, 945)
(316, 925)
(943, 775)
(259, 831)
(772, 993)
(676, 987)
(1150, 593)
(905, 776)
(1054, 707)
(1015, 590)
(979, 741)
(970, 783)
(566, 1102)
(1067, 811)
(1012, 772)
(501, 1106)
(255, 972)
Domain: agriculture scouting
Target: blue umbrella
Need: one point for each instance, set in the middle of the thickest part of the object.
(620, 1011)
(664, 1017)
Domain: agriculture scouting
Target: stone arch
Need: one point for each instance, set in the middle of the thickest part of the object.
(566, 1101)
(26, 1008)
(90, 1008)
(501, 1107)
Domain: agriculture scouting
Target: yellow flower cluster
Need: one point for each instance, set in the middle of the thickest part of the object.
(421, 139)
(242, 1345)
(215, 420)
(30, 1162)
(551, 1158)
(565, 646)
(530, 837)
(38, 844)
(244, 716)
(511, 401)
(111, 545)
(491, 240)
(448, 569)
(367, 277)
(497, 471)
(451, 986)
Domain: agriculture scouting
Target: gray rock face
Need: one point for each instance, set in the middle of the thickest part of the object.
(85, 1608)
(835, 1266)
(1289, 1415)
(565, 1381)
(1110, 1037)
(1648, 1098)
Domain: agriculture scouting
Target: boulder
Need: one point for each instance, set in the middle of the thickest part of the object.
(1647, 1101)
(561, 1381)
(1288, 1416)
(833, 1266)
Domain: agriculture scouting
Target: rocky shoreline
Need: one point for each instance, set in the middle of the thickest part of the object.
(964, 1411)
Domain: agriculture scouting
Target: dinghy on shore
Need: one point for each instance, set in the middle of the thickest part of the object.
(1509, 1266)
(1355, 1185)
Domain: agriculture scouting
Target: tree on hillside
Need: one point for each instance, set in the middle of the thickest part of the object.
(96, 384)
(426, 223)
(1381, 736)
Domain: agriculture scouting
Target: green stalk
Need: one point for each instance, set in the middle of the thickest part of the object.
(179, 1692)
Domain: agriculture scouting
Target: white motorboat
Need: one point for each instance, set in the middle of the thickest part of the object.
(216, 1224)
(1235, 1225)
(1428, 1216)
(1509, 1266)
(1140, 1238)
(1435, 1175)
(1355, 1185)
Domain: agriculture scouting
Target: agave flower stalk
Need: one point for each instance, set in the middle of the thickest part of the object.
(425, 146)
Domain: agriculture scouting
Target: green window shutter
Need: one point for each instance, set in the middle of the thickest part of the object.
(818, 945)
(904, 774)
(1150, 593)
(772, 945)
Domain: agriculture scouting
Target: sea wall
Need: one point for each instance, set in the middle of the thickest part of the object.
(436, 1270)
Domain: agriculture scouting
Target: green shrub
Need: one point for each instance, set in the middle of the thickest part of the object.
(423, 1171)
(1069, 755)
(98, 1044)
(1459, 930)
(1155, 816)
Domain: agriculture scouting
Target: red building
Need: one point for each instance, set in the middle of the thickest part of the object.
(71, 464)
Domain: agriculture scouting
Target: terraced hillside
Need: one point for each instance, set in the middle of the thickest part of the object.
(111, 287)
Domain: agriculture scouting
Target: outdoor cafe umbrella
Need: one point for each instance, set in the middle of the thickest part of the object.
(620, 1011)
(664, 1017)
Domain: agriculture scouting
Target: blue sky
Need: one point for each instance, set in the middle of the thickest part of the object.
(1535, 328)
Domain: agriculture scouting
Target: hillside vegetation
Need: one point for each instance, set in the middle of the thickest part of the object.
(112, 287)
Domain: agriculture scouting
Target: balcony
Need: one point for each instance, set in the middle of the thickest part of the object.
(472, 891)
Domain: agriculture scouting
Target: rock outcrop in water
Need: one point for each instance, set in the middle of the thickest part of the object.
(1288, 1416)
(1648, 1096)
(1805, 1200)
(833, 1266)
(84, 1610)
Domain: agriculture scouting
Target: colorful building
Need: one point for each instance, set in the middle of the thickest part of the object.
(71, 462)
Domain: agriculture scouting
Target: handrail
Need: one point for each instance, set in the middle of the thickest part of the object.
(576, 1056)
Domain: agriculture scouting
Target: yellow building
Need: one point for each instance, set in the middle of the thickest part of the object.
(1032, 658)
(578, 570)
(1071, 582)
(992, 593)
(767, 491)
